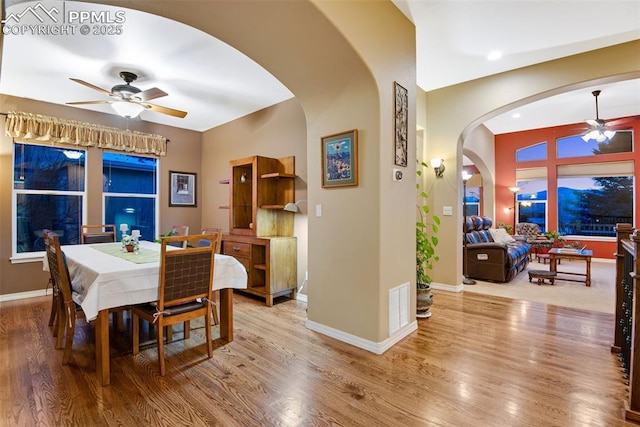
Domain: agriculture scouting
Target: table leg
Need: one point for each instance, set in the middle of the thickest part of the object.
(552, 263)
(226, 314)
(102, 348)
(588, 279)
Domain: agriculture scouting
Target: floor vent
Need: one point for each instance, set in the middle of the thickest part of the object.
(399, 301)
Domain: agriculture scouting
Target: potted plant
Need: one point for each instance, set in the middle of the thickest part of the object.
(426, 241)
(558, 240)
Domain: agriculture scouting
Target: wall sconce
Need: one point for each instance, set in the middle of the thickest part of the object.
(293, 207)
(438, 167)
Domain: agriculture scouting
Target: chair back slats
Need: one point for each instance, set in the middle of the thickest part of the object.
(98, 233)
(185, 274)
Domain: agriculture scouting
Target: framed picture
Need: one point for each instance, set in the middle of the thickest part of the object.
(182, 189)
(401, 114)
(340, 159)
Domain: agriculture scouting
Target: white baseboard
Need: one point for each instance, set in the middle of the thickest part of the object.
(23, 295)
(374, 347)
(448, 288)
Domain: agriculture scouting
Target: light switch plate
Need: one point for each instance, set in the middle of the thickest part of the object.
(318, 211)
(447, 210)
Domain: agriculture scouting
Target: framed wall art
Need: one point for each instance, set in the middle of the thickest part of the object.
(182, 189)
(401, 114)
(340, 159)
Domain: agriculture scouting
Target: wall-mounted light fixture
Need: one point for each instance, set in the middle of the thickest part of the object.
(293, 207)
(438, 167)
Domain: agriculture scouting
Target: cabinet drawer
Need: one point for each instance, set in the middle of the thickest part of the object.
(237, 249)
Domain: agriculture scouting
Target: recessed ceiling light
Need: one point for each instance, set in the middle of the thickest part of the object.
(494, 55)
(516, 115)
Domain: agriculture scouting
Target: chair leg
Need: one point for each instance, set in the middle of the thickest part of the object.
(54, 305)
(135, 325)
(169, 333)
(71, 329)
(161, 346)
(214, 308)
(62, 321)
(207, 329)
(187, 329)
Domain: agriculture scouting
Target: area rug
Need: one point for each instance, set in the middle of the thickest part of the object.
(600, 296)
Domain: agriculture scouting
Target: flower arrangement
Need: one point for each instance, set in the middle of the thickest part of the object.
(128, 240)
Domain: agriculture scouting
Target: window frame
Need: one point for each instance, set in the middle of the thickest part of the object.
(35, 256)
(155, 195)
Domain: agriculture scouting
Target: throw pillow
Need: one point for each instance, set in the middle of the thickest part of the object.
(500, 235)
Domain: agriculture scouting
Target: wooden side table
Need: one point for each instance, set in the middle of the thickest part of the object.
(556, 254)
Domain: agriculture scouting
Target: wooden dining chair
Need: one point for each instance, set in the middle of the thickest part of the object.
(180, 230)
(184, 292)
(99, 233)
(68, 310)
(216, 231)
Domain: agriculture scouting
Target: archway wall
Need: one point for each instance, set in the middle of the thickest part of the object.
(340, 60)
(452, 112)
(479, 147)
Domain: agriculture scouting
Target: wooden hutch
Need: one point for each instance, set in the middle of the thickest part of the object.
(260, 231)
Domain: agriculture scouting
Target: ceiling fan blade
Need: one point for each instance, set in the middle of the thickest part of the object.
(88, 102)
(592, 122)
(94, 87)
(149, 94)
(621, 121)
(164, 110)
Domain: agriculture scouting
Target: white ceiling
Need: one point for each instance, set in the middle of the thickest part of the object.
(215, 84)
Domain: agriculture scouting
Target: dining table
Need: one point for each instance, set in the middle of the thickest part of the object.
(106, 277)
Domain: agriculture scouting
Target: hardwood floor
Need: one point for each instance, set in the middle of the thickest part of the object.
(478, 361)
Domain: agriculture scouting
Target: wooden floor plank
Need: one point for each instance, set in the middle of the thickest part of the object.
(478, 361)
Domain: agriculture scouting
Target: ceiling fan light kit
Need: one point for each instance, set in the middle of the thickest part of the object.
(127, 109)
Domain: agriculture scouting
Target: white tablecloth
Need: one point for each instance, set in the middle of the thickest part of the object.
(102, 281)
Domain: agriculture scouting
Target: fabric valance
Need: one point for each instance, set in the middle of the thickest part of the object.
(30, 127)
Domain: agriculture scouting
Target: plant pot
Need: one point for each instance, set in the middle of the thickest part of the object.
(424, 301)
(129, 248)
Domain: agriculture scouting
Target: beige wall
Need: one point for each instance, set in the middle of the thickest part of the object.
(183, 154)
(452, 112)
(277, 131)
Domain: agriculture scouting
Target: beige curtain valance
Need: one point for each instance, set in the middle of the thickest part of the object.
(30, 127)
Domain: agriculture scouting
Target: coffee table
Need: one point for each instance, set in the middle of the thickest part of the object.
(557, 254)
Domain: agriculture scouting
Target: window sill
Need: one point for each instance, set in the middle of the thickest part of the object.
(26, 258)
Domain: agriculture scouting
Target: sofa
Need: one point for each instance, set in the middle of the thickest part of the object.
(491, 254)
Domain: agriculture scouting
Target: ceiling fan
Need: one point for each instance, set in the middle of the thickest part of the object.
(598, 128)
(128, 100)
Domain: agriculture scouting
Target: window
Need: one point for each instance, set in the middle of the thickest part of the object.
(575, 146)
(48, 193)
(130, 190)
(532, 202)
(593, 198)
(532, 152)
